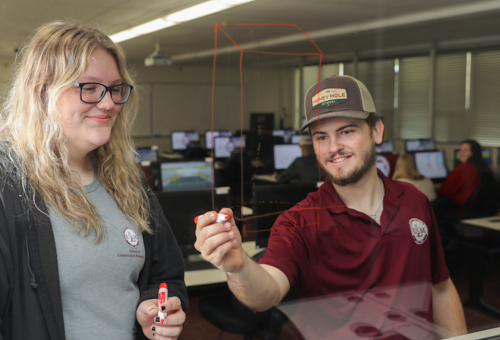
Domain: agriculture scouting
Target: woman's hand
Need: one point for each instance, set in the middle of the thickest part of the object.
(171, 328)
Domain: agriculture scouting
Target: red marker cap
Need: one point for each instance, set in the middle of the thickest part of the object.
(163, 285)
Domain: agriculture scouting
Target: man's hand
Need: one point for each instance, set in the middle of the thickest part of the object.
(147, 316)
(219, 243)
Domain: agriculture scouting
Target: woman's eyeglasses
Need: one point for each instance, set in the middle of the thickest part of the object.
(94, 92)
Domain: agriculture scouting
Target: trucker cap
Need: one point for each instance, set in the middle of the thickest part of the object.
(338, 96)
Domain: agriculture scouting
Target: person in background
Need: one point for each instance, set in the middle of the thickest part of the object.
(84, 245)
(406, 171)
(467, 176)
(195, 151)
(303, 169)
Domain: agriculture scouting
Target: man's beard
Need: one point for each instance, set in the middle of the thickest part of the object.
(369, 160)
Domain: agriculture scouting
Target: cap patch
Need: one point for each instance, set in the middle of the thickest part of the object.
(329, 97)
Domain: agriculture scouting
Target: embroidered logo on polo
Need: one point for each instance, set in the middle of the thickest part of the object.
(419, 230)
(131, 237)
(329, 97)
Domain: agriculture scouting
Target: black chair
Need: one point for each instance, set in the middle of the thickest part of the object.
(269, 201)
(483, 201)
(230, 315)
(479, 243)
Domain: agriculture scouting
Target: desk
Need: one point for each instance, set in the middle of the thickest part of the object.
(482, 335)
(492, 222)
(476, 275)
(265, 178)
(211, 276)
(171, 155)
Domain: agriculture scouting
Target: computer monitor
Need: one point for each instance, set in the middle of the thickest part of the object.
(289, 133)
(431, 164)
(387, 146)
(486, 153)
(181, 139)
(285, 154)
(269, 201)
(296, 139)
(181, 207)
(386, 162)
(280, 133)
(149, 154)
(210, 135)
(186, 175)
(423, 144)
(223, 146)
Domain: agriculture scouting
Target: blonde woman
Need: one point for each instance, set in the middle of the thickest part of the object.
(406, 171)
(84, 245)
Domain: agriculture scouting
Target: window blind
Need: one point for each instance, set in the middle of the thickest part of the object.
(485, 98)
(412, 114)
(378, 76)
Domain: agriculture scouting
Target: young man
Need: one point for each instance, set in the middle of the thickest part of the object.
(359, 233)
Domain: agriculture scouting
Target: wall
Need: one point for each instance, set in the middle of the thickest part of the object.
(5, 77)
(178, 98)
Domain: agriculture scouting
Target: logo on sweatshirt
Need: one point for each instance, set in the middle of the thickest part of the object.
(131, 237)
(419, 230)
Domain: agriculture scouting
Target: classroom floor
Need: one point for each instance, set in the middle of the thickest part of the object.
(197, 327)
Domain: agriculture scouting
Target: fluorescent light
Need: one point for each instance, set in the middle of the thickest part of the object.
(121, 36)
(197, 11)
(184, 15)
(234, 2)
(152, 26)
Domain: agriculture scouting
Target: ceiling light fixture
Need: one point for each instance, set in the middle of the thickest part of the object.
(191, 13)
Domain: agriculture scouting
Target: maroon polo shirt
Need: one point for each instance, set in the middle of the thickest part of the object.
(325, 248)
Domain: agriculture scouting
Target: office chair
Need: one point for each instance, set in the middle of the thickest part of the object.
(230, 315)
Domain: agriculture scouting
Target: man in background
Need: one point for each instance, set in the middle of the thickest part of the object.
(303, 169)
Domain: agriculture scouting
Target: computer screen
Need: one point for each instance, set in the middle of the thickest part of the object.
(285, 154)
(181, 207)
(289, 133)
(210, 135)
(280, 133)
(223, 146)
(431, 164)
(486, 153)
(413, 145)
(181, 139)
(187, 175)
(386, 162)
(296, 139)
(387, 146)
(147, 153)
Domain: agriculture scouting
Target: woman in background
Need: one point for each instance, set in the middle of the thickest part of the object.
(467, 176)
(454, 195)
(406, 171)
(84, 244)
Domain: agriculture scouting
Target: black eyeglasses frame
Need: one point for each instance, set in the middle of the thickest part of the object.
(107, 89)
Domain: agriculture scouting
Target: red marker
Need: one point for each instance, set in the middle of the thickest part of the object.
(220, 218)
(162, 298)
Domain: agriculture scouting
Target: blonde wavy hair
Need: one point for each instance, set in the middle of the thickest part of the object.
(406, 168)
(56, 56)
